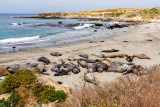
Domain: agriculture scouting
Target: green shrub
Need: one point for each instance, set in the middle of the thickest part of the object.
(25, 77)
(22, 77)
(12, 101)
(9, 84)
(46, 94)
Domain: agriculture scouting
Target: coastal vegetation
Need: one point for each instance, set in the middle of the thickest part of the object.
(129, 13)
(132, 90)
(24, 86)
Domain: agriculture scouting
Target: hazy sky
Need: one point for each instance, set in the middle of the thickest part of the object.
(43, 6)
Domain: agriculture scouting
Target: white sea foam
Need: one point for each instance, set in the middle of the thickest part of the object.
(17, 40)
(83, 26)
(16, 24)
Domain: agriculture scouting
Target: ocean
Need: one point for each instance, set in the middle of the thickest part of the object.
(30, 32)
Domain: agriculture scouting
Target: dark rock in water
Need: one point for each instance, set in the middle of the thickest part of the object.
(98, 24)
(95, 30)
(44, 60)
(72, 25)
(56, 67)
(56, 54)
(111, 50)
(60, 22)
(84, 55)
(42, 36)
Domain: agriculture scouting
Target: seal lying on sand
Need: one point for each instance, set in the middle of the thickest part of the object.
(100, 56)
(88, 77)
(84, 55)
(117, 55)
(75, 69)
(56, 54)
(83, 64)
(111, 50)
(62, 72)
(142, 56)
(56, 67)
(44, 60)
(88, 60)
(100, 67)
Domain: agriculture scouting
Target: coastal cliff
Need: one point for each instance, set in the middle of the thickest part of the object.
(122, 14)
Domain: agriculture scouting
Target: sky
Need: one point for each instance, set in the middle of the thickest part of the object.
(48, 6)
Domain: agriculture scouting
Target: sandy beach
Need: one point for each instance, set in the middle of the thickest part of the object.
(141, 39)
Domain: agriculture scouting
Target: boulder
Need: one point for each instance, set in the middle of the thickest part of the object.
(3, 71)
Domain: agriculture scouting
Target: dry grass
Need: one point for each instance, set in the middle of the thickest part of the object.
(132, 91)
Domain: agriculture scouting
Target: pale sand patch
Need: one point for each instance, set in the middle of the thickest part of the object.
(137, 43)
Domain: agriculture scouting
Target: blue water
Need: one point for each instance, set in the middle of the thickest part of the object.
(22, 33)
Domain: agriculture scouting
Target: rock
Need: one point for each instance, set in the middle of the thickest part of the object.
(98, 24)
(3, 71)
(60, 22)
(44, 60)
(88, 77)
(56, 54)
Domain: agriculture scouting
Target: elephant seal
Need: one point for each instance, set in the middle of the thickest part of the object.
(129, 58)
(137, 69)
(12, 69)
(88, 60)
(56, 54)
(84, 56)
(91, 68)
(75, 69)
(142, 56)
(70, 58)
(107, 62)
(44, 60)
(117, 55)
(62, 72)
(111, 50)
(100, 67)
(88, 77)
(83, 64)
(55, 67)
